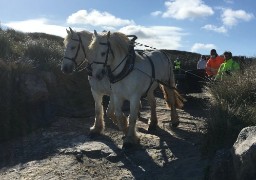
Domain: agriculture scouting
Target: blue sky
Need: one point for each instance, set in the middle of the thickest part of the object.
(187, 25)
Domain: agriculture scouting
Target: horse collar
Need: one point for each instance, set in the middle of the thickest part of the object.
(128, 67)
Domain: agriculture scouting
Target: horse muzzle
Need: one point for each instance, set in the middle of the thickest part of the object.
(67, 69)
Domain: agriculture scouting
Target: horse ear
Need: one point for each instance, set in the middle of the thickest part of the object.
(108, 35)
(95, 33)
(71, 30)
(68, 31)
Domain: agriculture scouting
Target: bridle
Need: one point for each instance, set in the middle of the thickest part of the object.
(73, 59)
(129, 63)
(109, 49)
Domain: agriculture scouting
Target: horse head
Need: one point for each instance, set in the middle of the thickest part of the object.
(76, 46)
(106, 52)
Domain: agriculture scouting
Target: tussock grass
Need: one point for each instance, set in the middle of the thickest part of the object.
(13, 106)
(233, 107)
(37, 54)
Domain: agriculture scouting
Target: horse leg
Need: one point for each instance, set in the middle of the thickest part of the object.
(131, 137)
(153, 119)
(120, 117)
(169, 96)
(110, 110)
(174, 115)
(98, 126)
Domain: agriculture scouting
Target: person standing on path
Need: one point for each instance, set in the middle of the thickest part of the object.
(227, 67)
(201, 64)
(213, 64)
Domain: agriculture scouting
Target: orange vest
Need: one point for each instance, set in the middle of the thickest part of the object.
(213, 65)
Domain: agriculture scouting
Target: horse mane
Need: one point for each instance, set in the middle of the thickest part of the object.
(86, 34)
(119, 42)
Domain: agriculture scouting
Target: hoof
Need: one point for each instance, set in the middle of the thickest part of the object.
(93, 135)
(96, 129)
(152, 128)
(175, 124)
(127, 145)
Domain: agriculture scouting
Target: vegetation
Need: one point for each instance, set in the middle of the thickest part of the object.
(232, 108)
(34, 53)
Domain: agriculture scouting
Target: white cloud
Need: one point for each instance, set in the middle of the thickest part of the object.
(214, 28)
(229, 1)
(96, 18)
(156, 13)
(160, 37)
(37, 25)
(231, 17)
(200, 46)
(187, 9)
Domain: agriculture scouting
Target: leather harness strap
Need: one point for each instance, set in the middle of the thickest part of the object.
(128, 67)
(153, 73)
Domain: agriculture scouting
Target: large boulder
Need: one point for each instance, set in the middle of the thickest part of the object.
(244, 154)
(239, 162)
(33, 87)
(40, 111)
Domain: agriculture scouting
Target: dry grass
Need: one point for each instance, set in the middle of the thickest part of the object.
(232, 108)
(33, 53)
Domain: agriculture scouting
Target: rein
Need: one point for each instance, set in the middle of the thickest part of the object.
(73, 59)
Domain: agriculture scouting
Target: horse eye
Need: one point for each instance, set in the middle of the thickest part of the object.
(73, 47)
(103, 54)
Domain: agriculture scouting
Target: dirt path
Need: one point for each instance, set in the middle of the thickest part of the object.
(64, 150)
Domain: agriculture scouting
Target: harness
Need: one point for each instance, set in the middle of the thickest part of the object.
(128, 67)
(73, 59)
(129, 64)
(153, 73)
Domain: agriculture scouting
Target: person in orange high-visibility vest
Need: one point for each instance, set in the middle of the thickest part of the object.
(213, 64)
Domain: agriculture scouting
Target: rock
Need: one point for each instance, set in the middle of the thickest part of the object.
(41, 111)
(34, 88)
(244, 154)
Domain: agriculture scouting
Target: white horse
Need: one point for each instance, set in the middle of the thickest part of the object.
(111, 52)
(76, 51)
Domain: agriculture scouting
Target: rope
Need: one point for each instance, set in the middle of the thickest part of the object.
(160, 82)
(139, 44)
(205, 79)
(154, 79)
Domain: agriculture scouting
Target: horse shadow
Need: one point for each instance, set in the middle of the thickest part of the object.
(37, 147)
(196, 106)
(137, 160)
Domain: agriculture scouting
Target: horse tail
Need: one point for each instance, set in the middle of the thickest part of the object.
(172, 97)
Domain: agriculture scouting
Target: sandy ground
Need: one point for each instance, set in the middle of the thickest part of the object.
(65, 151)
